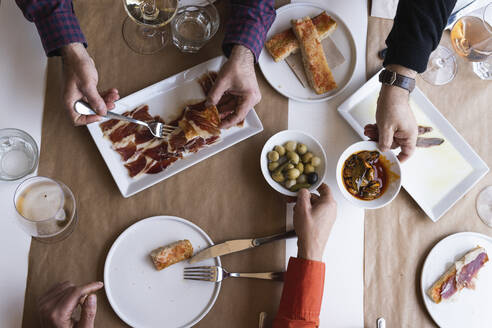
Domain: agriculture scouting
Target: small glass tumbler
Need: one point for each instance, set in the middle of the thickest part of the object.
(45, 209)
(18, 154)
(194, 25)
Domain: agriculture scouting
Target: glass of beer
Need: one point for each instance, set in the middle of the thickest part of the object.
(45, 209)
(471, 38)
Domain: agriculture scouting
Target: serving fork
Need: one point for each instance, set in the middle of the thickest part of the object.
(216, 274)
(158, 129)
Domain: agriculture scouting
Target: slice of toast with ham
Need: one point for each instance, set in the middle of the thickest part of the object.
(460, 275)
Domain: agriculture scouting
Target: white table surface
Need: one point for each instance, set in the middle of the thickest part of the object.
(22, 85)
(343, 299)
(23, 67)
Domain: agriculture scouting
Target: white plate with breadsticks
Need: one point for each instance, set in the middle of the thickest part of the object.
(456, 281)
(323, 45)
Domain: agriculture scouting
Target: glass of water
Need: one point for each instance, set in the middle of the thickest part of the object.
(18, 154)
(195, 23)
(45, 209)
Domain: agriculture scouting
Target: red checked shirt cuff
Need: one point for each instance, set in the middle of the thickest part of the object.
(59, 29)
(300, 305)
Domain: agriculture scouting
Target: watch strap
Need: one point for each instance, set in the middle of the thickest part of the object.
(392, 78)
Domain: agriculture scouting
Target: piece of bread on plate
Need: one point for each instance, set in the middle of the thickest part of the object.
(165, 256)
(317, 70)
(459, 275)
(282, 44)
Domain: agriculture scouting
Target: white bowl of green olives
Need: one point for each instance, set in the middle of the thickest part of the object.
(291, 160)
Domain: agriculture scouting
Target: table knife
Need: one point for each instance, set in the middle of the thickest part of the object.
(237, 245)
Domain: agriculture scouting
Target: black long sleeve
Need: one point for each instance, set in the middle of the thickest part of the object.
(416, 32)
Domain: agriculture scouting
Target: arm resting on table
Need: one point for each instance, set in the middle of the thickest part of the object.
(56, 23)
(248, 25)
(416, 32)
(300, 304)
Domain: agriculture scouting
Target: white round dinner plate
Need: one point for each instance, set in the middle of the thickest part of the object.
(469, 308)
(145, 297)
(283, 79)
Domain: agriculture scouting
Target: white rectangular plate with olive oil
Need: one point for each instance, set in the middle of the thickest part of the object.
(436, 177)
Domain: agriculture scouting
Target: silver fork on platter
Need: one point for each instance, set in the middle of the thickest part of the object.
(216, 274)
(158, 129)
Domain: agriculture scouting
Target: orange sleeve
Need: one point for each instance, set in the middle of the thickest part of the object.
(300, 304)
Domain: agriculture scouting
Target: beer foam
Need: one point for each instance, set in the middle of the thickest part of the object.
(40, 201)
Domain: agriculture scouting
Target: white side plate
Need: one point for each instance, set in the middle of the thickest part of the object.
(436, 177)
(167, 99)
(144, 297)
(470, 308)
(281, 77)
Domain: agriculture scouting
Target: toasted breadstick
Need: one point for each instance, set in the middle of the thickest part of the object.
(171, 254)
(281, 45)
(317, 70)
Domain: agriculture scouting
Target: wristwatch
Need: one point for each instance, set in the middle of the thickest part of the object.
(392, 78)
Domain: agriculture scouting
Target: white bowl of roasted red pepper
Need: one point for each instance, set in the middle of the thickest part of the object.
(367, 177)
(292, 160)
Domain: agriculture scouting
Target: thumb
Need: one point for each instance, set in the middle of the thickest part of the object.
(88, 314)
(303, 200)
(385, 139)
(219, 88)
(95, 99)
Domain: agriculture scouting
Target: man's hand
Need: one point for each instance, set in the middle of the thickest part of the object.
(394, 117)
(80, 82)
(58, 304)
(238, 78)
(314, 217)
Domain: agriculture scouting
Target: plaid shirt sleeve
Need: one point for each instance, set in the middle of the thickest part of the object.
(56, 23)
(248, 25)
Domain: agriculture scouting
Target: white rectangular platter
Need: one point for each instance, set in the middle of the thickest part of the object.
(436, 177)
(167, 98)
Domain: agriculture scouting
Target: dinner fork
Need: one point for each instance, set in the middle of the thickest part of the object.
(158, 129)
(216, 274)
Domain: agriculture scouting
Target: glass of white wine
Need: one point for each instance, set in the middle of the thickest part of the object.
(471, 38)
(144, 30)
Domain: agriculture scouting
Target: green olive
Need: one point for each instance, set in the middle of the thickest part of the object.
(301, 149)
(293, 157)
(290, 145)
(315, 161)
(278, 176)
(281, 167)
(280, 150)
(272, 166)
(289, 166)
(307, 157)
(289, 183)
(302, 178)
(299, 186)
(293, 174)
(300, 167)
(273, 156)
(308, 168)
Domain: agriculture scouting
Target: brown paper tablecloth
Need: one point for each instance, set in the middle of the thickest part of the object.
(225, 195)
(399, 236)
